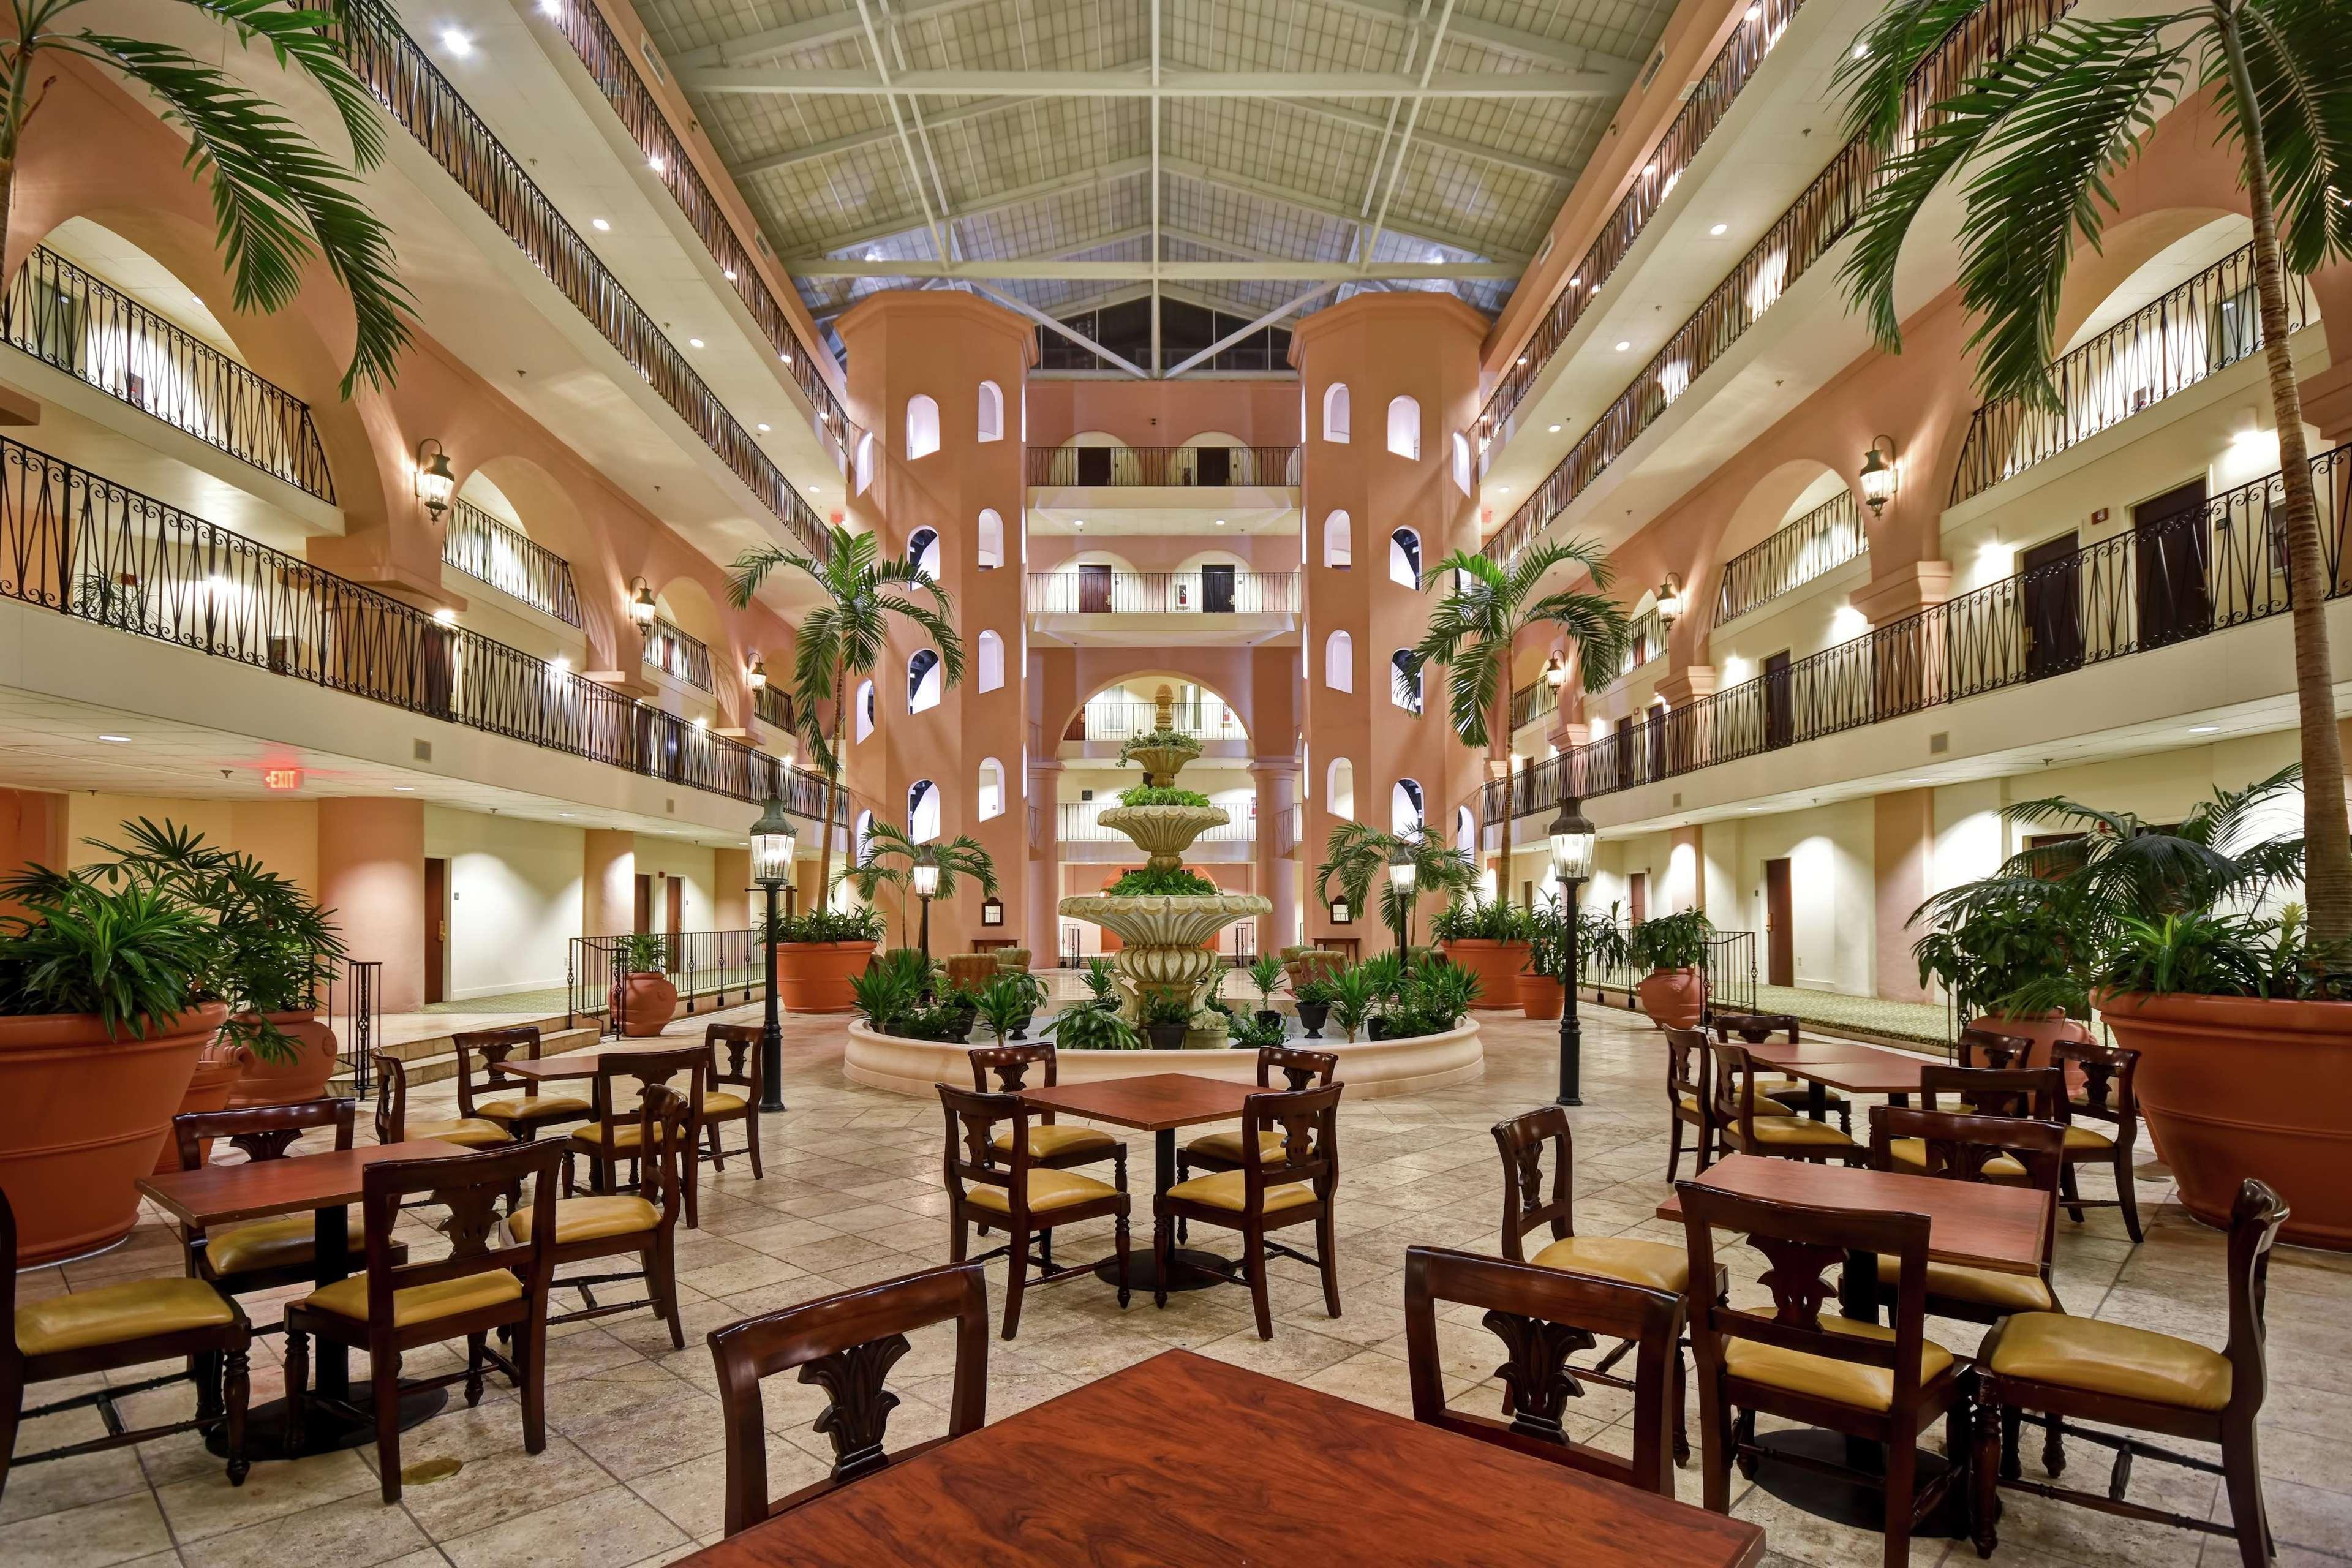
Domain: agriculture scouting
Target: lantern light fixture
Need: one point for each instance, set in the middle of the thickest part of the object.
(1556, 670)
(1879, 474)
(1670, 600)
(642, 607)
(773, 839)
(435, 481)
(1572, 838)
(756, 677)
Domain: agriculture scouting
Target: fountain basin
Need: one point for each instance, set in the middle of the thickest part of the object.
(1164, 832)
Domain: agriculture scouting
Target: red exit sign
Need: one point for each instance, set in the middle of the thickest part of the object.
(282, 778)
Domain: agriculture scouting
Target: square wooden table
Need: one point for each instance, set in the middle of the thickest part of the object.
(572, 1064)
(1184, 1460)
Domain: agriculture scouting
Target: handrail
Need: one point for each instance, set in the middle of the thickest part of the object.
(86, 547)
(1820, 542)
(1801, 238)
(585, 28)
(491, 550)
(1117, 721)
(1727, 75)
(1080, 822)
(676, 651)
(773, 705)
(2168, 345)
(80, 323)
(1645, 639)
(2165, 580)
(1533, 700)
(1163, 593)
(1167, 467)
(417, 96)
(699, 963)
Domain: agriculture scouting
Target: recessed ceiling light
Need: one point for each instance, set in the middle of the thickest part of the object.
(2204, 729)
(1221, 522)
(1502, 489)
(763, 430)
(787, 358)
(600, 226)
(1080, 523)
(404, 789)
(1719, 228)
(116, 739)
(564, 813)
(455, 42)
(551, 7)
(1622, 345)
(1523, 359)
(1555, 429)
(694, 342)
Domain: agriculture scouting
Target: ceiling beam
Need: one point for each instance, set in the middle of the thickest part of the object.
(834, 28)
(1550, 53)
(1324, 207)
(1189, 271)
(1502, 157)
(996, 202)
(863, 83)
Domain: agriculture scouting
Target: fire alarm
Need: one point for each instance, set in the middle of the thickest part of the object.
(2098, 516)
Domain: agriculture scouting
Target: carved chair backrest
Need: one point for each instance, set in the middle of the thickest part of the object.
(1010, 1064)
(971, 1120)
(1522, 1141)
(645, 1070)
(2254, 1221)
(2039, 1093)
(1300, 1068)
(1688, 1057)
(495, 1046)
(1308, 1121)
(1957, 1147)
(263, 1132)
(471, 1186)
(2108, 1094)
(742, 1044)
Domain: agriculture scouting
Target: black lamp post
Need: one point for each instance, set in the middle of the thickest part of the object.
(1572, 835)
(926, 885)
(772, 839)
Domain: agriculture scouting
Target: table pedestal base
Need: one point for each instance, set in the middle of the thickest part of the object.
(1850, 1502)
(328, 1429)
(1188, 1269)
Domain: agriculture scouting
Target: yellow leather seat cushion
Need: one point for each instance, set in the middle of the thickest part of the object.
(543, 1105)
(590, 1219)
(1047, 1142)
(1911, 1154)
(1228, 1146)
(722, 1103)
(2086, 1138)
(1230, 1190)
(111, 1314)
(1795, 1132)
(1763, 1106)
(1824, 1377)
(1660, 1265)
(275, 1243)
(1984, 1287)
(419, 1303)
(1048, 1191)
(626, 1135)
(471, 1132)
(2112, 1358)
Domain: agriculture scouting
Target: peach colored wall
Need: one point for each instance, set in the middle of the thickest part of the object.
(732, 896)
(609, 882)
(372, 874)
(1163, 413)
(32, 832)
(1902, 856)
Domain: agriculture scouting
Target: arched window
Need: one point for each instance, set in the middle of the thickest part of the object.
(865, 709)
(991, 661)
(1465, 830)
(1462, 479)
(923, 681)
(1404, 427)
(922, 427)
(923, 551)
(1338, 541)
(1404, 558)
(922, 810)
(863, 840)
(865, 461)
(1404, 806)
(1405, 681)
(1340, 662)
(991, 789)
(992, 539)
(1340, 787)
(1335, 413)
(992, 412)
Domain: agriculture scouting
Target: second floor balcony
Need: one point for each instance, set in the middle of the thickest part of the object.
(1167, 468)
(1079, 827)
(1538, 698)
(1205, 591)
(677, 652)
(1811, 546)
(1112, 721)
(491, 550)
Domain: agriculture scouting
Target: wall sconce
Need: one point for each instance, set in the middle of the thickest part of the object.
(1670, 600)
(1556, 670)
(434, 481)
(756, 677)
(1878, 473)
(641, 603)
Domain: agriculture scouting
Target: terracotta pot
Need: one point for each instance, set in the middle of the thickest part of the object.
(644, 1003)
(2235, 1086)
(283, 1083)
(1495, 964)
(218, 1071)
(1673, 998)
(1540, 996)
(81, 1119)
(814, 977)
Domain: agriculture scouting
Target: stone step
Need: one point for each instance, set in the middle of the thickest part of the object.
(434, 1057)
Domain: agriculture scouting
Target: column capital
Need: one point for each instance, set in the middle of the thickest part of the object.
(1569, 736)
(1906, 591)
(1273, 767)
(1687, 684)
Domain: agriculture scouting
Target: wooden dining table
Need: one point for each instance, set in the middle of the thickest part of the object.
(1894, 1074)
(1184, 1460)
(571, 1063)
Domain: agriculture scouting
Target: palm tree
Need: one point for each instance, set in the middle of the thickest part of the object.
(2040, 135)
(958, 856)
(843, 637)
(1355, 853)
(1479, 623)
(277, 198)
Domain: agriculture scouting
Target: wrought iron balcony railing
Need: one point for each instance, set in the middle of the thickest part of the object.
(1080, 822)
(1211, 592)
(86, 547)
(1532, 702)
(1647, 641)
(1179, 468)
(1802, 237)
(420, 98)
(1820, 542)
(492, 551)
(773, 705)
(2165, 346)
(678, 652)
(84, 326)
(2216, 564)
(1209, 719)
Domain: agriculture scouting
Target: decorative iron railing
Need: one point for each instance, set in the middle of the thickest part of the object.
(1729, 963)
(84, 326)
(2165, 346)
(417, 96)
(1080, 822)
(2220, 564)
(1532, 702)
(718, 964)
(773, 705)
(676, 651)
(1211, 592)
(493, 551)
(1207, 719)
(1645, 640)
(1803, 234)
(1178, 468)
(86, 547)
(1820, 542)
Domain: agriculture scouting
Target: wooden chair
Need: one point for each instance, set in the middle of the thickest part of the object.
(1223, 1151)
(523, 1115)
(613, 1132)
(109, 1327)
(2107, 1097)
(2122, 1376)
(970, 971)
(1630, 1260)
(1992, 1048)
(392, 1123)
(1746, 1124)
(1964, 1148)
(1541, 1316)
(1881, 1384)
(1051, 1147)
(845, 1344)
(1690, 1099)
(1754, 1029)
(1010, 1192)
(1267, 1193)
(644, 1222)
(2032, 1094)
(739, 1102)
(391, 1307)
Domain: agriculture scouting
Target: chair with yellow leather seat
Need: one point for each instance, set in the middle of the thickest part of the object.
(1883, 1384)
(1959, 1147)
(1223, 1151)
(740, 1100)
(2107, 1096)
(515, 1104)
(2140, 1379)
(390, 1307)
(613, 1132)
(1288, 1174)
(1747, 1123)
(644, 1222)
(997, 1184)
(131, 1323)
(1690, 1063)
(1051, 1147)
(393, 1125)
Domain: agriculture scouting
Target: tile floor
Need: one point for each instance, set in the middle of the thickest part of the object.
(631, 1469)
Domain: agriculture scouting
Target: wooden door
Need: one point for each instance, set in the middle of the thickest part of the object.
(1217, 589)
(437, 931)
(644, 910)
(1637, 897)
(2053, 615)
(2174, 546)
(1094, 465)
(1093, 586)
(1780, 926)
(1779, 702)
(1212, 465)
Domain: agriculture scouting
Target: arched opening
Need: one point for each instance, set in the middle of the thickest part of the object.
(1127, 706)
(1404, 559)
(922, 810)
(922, 427)
(991, 801)
(1338, 541)
(924, 680)
(990, 657)
(1339, 788)
(865, 709)
(1465, 479)
(1404, 806)
(923, 551)
(689, 637)
(1405, 681)
(992, 412)
(1404, 427)
(862, 840)
(1335, 413)
(864, 462)
(1465, 830)
(992, 539)
(1340, 662)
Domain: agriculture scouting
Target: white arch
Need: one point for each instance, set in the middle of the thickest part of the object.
(922, 427)
(923, 551)
(991, 789)
(1404, 806)
(1404, 559)
(925, 681)
(1404, 681)
(1465, 830)
(1335, 413)
(991, 661)
(1338, 541)
(1463, 477)
(862, 840)
(865, 709)
(992, 539)
(1340, 662)
(922, 810)
(992, 412)
(865, 461)
(1404, 427)
(1340, 787)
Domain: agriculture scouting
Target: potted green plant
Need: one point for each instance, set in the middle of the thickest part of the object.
(817, 954)
(1102, 984)
(1491, 939)
(1266, 1029)
(1314, 1000)
(1093, 1029)
(891, 988)
(1266, 975)
(643, 1001)
(1007, 1004)
(1541, 987)
(1988, 952)
(1355, 856)
(1672, 948)
(1354, 995)
(1165, 1018)
(1605, 946)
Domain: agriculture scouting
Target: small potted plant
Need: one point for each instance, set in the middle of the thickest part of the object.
(1165, 1018)
(1672, 949)
(1355, 992)
(1266, 975)
(1005, 1005)
(1091, 1028)
(817, 952)
(1541, 987)
(1264, 1030)
(1314, 1000)
(643, 1000)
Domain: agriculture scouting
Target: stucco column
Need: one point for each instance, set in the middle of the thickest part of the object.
(32, 831)
(1277, 878)
(608, 875)
(1902, 856)
(732, 903)
(371, 875)
(1043, 935)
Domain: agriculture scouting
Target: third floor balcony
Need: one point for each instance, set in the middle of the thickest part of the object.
(1212, 603)
(491, 550)
(1164, 467)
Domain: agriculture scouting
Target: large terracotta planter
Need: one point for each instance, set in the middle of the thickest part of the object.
(1495, 964)
(644, 1003)
(1673, 998)
(2235, 1086)
(284, 1083)
(82, 1118)
(1540, 996)
(814, 977)
(218, 1071)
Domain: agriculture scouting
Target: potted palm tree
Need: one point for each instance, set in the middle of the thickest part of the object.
(2232, 1078)
(1354, 855)
(928, 870)
(1988, 951)
(1672, 949)
(643, 1001)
